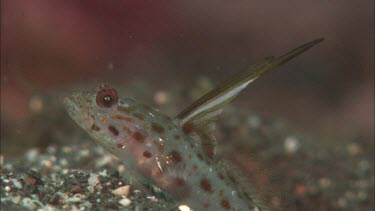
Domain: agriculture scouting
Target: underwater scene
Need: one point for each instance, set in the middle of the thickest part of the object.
(188, 105)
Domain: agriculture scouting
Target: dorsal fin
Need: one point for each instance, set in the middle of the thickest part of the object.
(229, 89)
(206, 109)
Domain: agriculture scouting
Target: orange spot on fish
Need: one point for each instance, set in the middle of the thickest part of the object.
(187, 128)
(225, 204)
(121, 117)
(221, 175)
(179, 182)
(95, 127)
(138, 137)
(175, 156)
(127, 130)
(209, 153)
(139, 116)
(147, 154)
(126, 109)
(206, 185)
(103, 120)
(157, 128)
(200, 156)
(113, 130)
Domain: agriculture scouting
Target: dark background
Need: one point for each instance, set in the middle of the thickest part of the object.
(327, 90)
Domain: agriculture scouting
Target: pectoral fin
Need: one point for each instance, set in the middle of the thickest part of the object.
(244, 186)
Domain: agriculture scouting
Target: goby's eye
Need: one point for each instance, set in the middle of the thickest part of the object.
(106, 98)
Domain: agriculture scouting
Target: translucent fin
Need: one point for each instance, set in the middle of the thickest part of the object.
(243, 184)
(229, 89)
(158, 192)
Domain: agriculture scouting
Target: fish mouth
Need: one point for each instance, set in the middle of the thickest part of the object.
(70, 106)
(77, 114)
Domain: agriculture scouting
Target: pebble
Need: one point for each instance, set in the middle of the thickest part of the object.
(67, 149)
(32, 154)
(103, 173)
(300, 189)
(76, 198)
(121, 191)
(121, 168)
(364, 165)
(184, 208)
(93, 180)
(354, 149)
(84, 153)
(36, 104)
(291, 144)
(63, 162)
(51, 149)
(125, 202)
(342, 203)
(253, 121)
(362, 196)
(47, 163)
(152, 198)
(7, 188)
(161, 97)
(17, 184)
(324, 182)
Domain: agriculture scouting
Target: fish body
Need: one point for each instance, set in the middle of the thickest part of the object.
(153, 145)
(174, 154)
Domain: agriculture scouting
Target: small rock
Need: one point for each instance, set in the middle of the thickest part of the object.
(121, 191)
(17, 184)
(30, 180)
(342, 203)
(362, 196)
(32, 154)
(184, 208)
(7, 188)
(93, 180)
(161, 97)
(33, 178)
(76, 198)
(291, 144)
(324, 182)
(36, 104)
(125, 202)
(354, 149)
(300, 189)
(253, 121)
(103, 173)
(76, 189)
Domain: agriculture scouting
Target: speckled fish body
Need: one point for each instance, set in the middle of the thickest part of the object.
(165, 151)
(155, 146)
